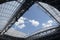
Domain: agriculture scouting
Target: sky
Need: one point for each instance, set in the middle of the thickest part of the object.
(33, 20)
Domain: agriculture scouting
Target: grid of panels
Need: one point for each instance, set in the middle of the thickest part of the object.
(7, 10)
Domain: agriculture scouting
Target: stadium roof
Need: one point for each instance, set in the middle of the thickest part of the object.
(34, 20)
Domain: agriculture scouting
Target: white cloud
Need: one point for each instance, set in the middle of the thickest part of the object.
(48, 24)
(35, 23)
(22, 18)
(22, 26)
(20, 21)
(50, 21)
(16, 23)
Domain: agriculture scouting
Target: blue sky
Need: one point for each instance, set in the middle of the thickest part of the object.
(34, 19)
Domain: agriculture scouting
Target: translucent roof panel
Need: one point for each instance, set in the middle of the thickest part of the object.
(7, 10)
(35, 19)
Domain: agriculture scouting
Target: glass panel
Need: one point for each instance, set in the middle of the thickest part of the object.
(35, 19)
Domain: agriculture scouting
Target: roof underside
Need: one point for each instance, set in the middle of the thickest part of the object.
(8, 14)
(8, 11)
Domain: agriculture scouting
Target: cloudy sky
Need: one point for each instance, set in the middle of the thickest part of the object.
(34, 19)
